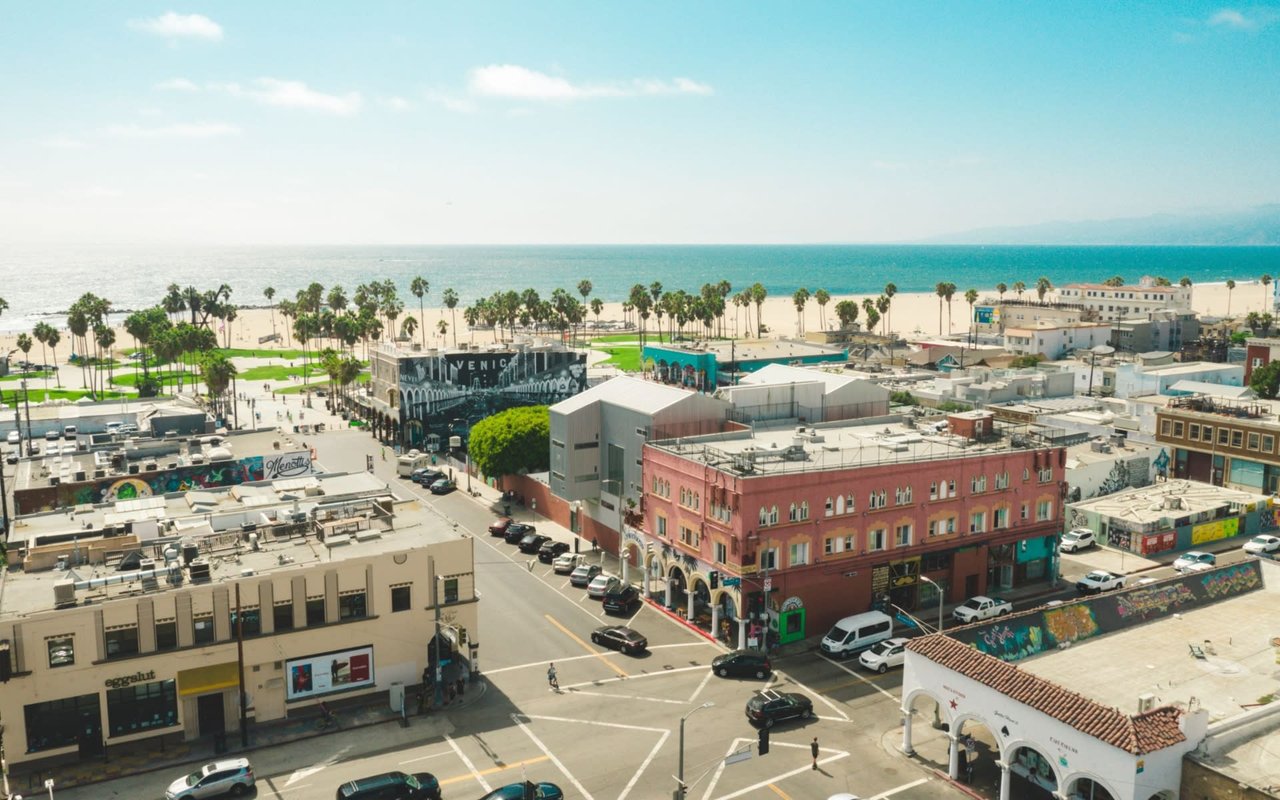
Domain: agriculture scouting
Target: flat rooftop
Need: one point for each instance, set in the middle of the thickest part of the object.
(357, 515)
(1148, 505)
(754, 349)
(839, 445)
(1155, 658)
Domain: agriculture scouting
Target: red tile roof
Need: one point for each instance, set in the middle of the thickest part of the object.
(1143, 733)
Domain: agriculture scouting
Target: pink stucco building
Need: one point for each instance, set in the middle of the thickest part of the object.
(805, 525)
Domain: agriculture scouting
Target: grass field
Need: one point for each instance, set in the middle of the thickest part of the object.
(8, 398)
(28, 376)
(624, 358)
(293, 355)
(168, 378)
(634, 336)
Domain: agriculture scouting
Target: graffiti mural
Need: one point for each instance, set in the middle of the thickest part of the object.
(1231, 581)
(1269, 520)
(1011, 642)
(1153, 600)
(1071, 623)
(1212, 531)
(444, 395)
(1120, 539)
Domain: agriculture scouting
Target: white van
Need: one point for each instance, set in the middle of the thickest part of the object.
(69, 432)
(853, 634)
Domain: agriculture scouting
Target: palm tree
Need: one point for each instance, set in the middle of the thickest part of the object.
(1231, 286)
(105, 337)
(1019, 287)
(971, 297)
(890, 289)
(584, 289)
(940, 289)
(409, 326)
(42, 332)
(1184, 282)
(1114, 281)
(822, 297)
(758, 295)
(597, 305)
(53, 337)
(1265, 280)
(270, 294)
(25, 344)
(1001, 288)
(882, 308)
(948, 294)
(799, 298)
(443, 327)
(1042, 287)
(173, 304)
(419, 287)
(216, 370)
(846, 313)
(451, 303)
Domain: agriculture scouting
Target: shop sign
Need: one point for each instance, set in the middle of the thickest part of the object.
(129, 680)
(792, 603)
(329, 672)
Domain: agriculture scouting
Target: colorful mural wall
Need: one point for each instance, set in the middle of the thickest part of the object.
(444, 395)
(1023, 635)
(146, 484)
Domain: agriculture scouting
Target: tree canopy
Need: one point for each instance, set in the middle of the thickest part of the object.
(513, 441)
(1266, 380)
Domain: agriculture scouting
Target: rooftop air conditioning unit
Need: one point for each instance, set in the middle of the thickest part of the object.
(1146, 702)
(64, 593)
(150, 466)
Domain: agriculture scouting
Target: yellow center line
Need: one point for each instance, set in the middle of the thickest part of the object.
(586, 646)
(492, 770)
(781, 793)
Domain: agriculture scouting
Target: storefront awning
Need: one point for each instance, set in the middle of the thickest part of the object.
(213, 678)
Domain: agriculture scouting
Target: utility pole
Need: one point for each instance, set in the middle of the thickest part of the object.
(4, 505)
(244, 712)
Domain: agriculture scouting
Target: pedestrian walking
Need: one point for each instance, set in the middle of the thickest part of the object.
(813, 748)
(551, 677)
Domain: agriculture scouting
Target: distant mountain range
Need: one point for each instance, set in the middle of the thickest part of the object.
(1258, 226)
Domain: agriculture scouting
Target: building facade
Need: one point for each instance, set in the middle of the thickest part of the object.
(429, 400)
(1155, 330)
(1112, 303)
(115, 633)
(800, 526)
(1055, 340)
(1223, 442)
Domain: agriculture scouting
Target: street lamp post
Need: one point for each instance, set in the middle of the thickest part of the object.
(622, 545)
(680, 764)
(935, 585)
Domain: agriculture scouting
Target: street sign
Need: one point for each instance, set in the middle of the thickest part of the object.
(768, 584)
(741, 755)
(731, 581)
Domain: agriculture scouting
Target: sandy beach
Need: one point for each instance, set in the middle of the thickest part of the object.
(913, 315)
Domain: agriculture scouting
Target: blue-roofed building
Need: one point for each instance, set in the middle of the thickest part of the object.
(706, 365)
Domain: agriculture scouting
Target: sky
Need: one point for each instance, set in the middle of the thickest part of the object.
(625, 122)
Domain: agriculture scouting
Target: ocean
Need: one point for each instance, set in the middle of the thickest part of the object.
(41, 282)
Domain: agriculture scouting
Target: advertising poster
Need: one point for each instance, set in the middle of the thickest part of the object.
(328, 672)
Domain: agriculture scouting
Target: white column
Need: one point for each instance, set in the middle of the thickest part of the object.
(688, 605)
(715, 620)
(1004, 781)
(668, 603)
(622, 556)
(906, 736)
(953, 763)
(742, 633)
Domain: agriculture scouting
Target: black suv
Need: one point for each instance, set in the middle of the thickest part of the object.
(517, 531)
(742, 662)
(550, 549)
(767, 707)
(620, 599)
(532, 542)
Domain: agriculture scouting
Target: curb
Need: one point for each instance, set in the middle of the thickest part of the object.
(681, 620)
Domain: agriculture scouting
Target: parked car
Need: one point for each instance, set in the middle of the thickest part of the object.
(532, 542)
(621, 598)
(499, 526)
(232, 776)
(768, 707)
(980, 608)
(528, 790)
(583, 574)
(128, 427)
(425, 476)
(620, 637)
(1076, 539)
(1099, 581)
(551, 550)
(14, 437)
(1266, 543)
(443, 486)
(566, 563)
(600, 584)
(52, 436)
(1187, 560)
(883, 655)
(742, 663)
(517, 531)
(392, 786)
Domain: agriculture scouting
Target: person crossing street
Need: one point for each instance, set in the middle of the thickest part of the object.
(551, 677)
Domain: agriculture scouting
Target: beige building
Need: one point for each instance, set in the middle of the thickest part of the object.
(143, 618)
(1112, 303)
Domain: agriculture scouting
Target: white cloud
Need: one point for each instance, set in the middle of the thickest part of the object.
(514, 81)
(178, 85)
(171, 25)
(396, 103)
(1230, 18)
(181, 130)
(456, 104)
(62, 143)
(294, 94)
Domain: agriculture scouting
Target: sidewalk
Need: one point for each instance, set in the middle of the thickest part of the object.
(167, 754)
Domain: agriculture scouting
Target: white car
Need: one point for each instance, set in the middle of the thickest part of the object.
(883, 655)
(566, 563)
(233, 776)
(14, 437)
(1099, 581)
(1266, 543)
(1187, 560)
(601, 584)
(1076, 539)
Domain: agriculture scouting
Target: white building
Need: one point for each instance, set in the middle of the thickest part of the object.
(1102, 466)
(1053, 340)
(779, 391)
(1114, 378)
(1118, 302)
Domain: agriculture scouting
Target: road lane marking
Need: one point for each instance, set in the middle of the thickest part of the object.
(814, 693)
(736, 744)
(779, 792)
(495, 770)
(582, 789)
(633, 677)
(426, 758)
(901, 788)
(861, 678)
(585, 646)
(597, 723)
(629, 697)
(466, 762)
(592, 655)
(701, 686)
(644, 765)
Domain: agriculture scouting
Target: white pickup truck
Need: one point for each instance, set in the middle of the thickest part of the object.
(981, 607)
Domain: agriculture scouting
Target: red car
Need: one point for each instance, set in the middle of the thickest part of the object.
(499, 526)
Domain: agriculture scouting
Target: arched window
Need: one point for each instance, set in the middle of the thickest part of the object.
(830, 507)
(791, 513)
(764, 515)
(804, 509)
(840, 504)
(773, 515)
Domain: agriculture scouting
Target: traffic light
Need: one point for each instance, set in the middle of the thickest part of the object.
(763, 748)
(714, 577)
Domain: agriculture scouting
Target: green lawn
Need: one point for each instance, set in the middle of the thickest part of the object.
(323, 383)
(167, 378)
(243, 353)
(634, 336)
(9, 398)
(28, 376)
(270, 372)
(626, 359)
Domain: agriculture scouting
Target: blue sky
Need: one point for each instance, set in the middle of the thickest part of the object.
(399, 122)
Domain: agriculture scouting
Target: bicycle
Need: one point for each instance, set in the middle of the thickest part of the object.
(327, 719)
